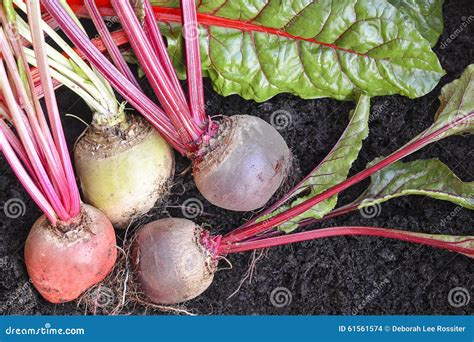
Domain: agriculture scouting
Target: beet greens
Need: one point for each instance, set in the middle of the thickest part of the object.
(261, 50)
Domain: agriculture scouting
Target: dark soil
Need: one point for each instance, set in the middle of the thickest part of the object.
(332, 276)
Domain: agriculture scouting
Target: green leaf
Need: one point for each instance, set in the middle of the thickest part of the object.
(431, 177)
(312, 49)
(333, 169)
(421, 177)
(455, 116)
(427, 16)
(456, 111)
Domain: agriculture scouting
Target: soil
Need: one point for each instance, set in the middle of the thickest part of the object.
(331, 276)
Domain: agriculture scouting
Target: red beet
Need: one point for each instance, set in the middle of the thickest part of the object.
(63, 262)
(172, 264)
(246, 164)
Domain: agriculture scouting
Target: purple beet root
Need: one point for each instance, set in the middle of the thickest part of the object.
(172, 265)
(245, 165)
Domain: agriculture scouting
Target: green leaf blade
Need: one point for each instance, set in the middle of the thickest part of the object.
(333, 169)
(457, 106)
(429, 177)
(427, 16)
(313, 49)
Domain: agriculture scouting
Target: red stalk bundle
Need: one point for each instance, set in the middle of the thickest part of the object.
(72, 246)
(118, 154)
(238, 147)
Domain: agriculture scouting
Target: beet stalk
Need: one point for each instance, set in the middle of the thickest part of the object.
(123, 164)
(239, 147)
(72, 246)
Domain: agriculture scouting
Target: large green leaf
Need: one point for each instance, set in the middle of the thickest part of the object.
(427, 15)
(309, 48)
(421, 177)
(333, 169)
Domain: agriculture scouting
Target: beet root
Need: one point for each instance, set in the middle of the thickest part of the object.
(245, 165)
(64, 261)
(123, 172)
(171, 264)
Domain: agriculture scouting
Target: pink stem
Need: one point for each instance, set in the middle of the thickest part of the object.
(26, 180)
(37, 128)
(177, 111)
(109, 43)
(39, 44)
(193, 61)
(29, 145)
(424, 239)
(131, 93)
(18, 149)
(156, 40)
(335, 213)
(242, 234)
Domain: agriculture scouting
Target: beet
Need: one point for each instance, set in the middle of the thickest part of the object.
(172, 265)
(124, 171)
(64, 261)
(245, 166)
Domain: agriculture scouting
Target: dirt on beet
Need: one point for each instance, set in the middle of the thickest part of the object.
(345, 275)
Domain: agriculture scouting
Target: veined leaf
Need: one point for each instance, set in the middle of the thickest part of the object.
(427, 15)
(333, 169)
(451, 119)
(421, 177)
(312, 49)
(455, 116)
(456, 111)
(431, 177)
